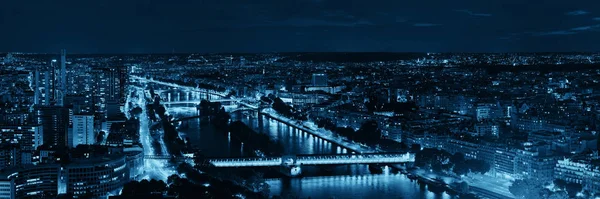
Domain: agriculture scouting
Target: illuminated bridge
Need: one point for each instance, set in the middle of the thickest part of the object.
(166, 157)
(299, 160)
(238, 101)
(198, 101)
(184, 158)
(220, 94)
(199, 116)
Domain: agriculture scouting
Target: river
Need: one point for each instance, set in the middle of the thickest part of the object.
(347, 181)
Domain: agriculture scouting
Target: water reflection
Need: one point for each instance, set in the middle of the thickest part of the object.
(363, 186)
(343, 181)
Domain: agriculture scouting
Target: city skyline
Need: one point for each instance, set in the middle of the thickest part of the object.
(272, 99)
(281, 125)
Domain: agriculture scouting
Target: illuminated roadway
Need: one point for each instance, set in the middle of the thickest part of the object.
(153, 168)
(314, 160)
(159, 168)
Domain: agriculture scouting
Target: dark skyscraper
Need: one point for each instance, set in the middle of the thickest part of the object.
(116, 84)
(62, 92)
(319, 79)
(50, 82)
(123, 72)
(44, 84)
(55, 121)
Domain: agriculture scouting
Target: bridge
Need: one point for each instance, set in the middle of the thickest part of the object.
(198, 101)
(239, 101)
(165, 157)
(168, 157)
(299, 160)
(178, 86)
(199, 116)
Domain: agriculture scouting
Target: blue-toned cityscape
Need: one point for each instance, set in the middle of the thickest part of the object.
(300, 125)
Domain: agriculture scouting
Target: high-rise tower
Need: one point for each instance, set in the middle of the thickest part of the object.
(319, 79)
(45, 82)
(63, 79)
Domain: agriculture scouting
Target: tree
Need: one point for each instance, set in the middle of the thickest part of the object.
(526, 188)
(457, 157)
(478, 166)
(433, 159)
(100, 136)
(173, 179)
(144, 187)
(560, 183)
(136, 111)
(573, 188)
(369, 131)
(460, 168)
(415, 147)
(558, 195)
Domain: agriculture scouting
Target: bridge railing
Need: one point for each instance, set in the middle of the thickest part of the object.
(356, 159)
(316, 160)
(165, 157)
(246, 162)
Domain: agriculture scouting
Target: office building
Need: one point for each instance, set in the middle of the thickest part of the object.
(108, 86)
(581, 170)
(483, 112)
(79, 104)
(44, 84)
(11, 155)
(82, 131)
(86, 175)
(135, 161)
(229, 60)
(487, 129)
(6, 189)
(29, 137)
(55, 123)
(319, 79)
(113, 109)
(91, 175)
(62, 79)
(35, 181)
(49, 82)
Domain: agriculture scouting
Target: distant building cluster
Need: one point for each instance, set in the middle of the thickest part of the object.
(56, 116)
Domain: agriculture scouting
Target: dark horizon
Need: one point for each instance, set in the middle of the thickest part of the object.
(298, 26)
(303, 52)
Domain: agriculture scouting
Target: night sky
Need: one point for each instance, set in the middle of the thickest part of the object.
(158, 26)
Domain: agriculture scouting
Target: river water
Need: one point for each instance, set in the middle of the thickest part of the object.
(346, 181)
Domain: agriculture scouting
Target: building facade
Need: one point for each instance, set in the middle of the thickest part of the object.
(95, 177)
(29, 137)
(83, 130)
(55, 121)
(319, 80)
(579, 170)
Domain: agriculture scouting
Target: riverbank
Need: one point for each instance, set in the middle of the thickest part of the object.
(311, 128)
(343, 181)
(483, 185)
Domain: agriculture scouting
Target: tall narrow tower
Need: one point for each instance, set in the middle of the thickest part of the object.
(63, 77)
(36, 78)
